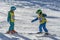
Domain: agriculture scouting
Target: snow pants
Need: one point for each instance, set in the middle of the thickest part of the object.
(11, 26)
(43, 26)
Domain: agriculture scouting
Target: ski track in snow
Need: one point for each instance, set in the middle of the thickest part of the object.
(24, 14)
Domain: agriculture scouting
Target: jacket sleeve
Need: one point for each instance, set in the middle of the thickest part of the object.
(34, 19)
(8, 18)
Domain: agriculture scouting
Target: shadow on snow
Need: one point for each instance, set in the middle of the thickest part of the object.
(21, 36)
(53, 17)
(3, 37)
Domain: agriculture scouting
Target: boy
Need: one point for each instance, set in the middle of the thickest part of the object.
(42, 21)
(11, 20)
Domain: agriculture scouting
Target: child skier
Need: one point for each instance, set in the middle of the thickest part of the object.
(11, 20)
(42, 20)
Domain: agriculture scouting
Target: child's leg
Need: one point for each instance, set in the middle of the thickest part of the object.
(11, 26)
(44, 27)
(40, 27)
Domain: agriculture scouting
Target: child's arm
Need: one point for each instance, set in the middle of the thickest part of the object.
(8, 18)
(35, 19)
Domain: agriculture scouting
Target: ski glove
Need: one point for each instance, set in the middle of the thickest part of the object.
(35, 19)
(32, 21)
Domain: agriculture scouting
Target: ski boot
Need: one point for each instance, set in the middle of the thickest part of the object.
(39, 32)
(9, 32)
(46, 33)
(13, 31)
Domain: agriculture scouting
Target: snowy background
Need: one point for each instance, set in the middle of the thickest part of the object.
(25, 12)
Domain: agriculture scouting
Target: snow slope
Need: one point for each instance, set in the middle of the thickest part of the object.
(24, 13)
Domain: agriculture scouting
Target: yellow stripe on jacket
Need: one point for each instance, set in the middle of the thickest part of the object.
(12, 17)
(42, 19)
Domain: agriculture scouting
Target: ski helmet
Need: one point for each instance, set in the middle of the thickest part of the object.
(13, 8)
(39, 11)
